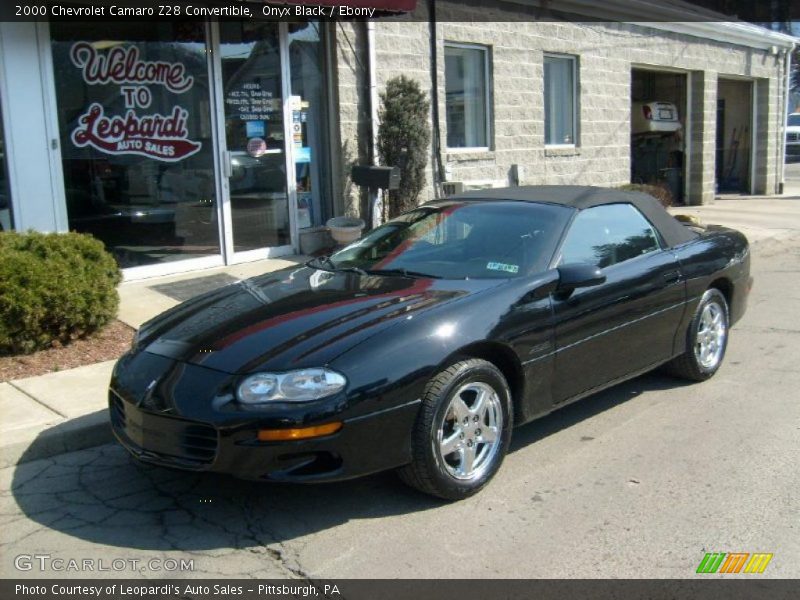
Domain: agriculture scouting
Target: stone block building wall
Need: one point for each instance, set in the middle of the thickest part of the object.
(702, 140)
(606, 54)
(353, 127)
(771, 119)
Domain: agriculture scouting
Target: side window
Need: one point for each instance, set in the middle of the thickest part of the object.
(607, 235)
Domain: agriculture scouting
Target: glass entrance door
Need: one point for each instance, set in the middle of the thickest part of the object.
(309, 122)
(255, 163)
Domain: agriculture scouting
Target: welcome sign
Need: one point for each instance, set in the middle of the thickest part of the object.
(153, 135)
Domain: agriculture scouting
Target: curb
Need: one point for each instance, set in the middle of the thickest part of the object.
(80, 433)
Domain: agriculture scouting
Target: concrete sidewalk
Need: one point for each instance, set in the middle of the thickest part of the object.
(54, 413)
(65, 411)
(140, 301)
(758, 217)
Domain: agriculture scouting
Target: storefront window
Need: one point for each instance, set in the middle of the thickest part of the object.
(5, 192)
(134, 115)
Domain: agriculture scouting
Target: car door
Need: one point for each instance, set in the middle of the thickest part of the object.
(627, 323)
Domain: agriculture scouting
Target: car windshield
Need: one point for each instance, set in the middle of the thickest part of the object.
(794, 120)
(467, 240)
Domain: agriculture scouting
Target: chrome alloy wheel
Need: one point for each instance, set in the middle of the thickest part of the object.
(710, 339)
(468, 438)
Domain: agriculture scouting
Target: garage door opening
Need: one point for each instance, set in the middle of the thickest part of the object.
(659, 102)
(734, 136)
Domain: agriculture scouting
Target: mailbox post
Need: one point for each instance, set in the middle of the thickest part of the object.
(376, 180)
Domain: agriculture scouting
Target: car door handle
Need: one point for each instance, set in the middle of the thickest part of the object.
(672, 276)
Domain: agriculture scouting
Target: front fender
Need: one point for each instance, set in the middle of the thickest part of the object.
(394, 367)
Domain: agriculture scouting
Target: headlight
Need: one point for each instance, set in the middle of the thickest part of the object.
(303, 385)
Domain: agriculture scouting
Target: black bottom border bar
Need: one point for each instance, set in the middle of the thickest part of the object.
(744, 587)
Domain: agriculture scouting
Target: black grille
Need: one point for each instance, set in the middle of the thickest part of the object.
(200, 442)
(160, 437)
(117, 408)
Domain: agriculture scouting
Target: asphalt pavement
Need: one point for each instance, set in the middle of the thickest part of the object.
(639, 481)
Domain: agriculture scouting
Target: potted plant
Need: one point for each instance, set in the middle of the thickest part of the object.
(345, 230)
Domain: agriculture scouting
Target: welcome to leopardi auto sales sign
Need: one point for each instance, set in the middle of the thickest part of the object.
(154, 135)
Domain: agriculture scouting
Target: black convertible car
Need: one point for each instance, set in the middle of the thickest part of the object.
(421, 345)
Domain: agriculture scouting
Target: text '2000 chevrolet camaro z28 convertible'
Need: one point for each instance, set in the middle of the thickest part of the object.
(421, 345)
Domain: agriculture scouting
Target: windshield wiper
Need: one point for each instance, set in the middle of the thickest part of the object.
(323, 262)
(358, 270)
(326, 264)
(402, 272)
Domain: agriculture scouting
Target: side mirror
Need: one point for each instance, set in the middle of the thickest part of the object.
(578, 275)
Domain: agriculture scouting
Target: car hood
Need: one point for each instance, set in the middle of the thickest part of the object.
(294, 318)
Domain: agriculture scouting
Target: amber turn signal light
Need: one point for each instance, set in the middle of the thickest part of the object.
(301, 433)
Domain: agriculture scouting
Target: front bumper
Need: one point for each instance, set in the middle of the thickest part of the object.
(365, 444)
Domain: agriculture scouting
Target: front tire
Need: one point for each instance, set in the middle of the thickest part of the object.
(462, 431)
(706, 339)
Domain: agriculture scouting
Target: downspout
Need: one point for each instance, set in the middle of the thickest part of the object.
(375, 196)
(373, 92)
(787, 63)
(438, 167)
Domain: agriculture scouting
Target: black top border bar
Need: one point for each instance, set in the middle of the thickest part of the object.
(775, 11)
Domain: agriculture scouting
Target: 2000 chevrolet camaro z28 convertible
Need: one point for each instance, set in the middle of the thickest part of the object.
(421, 345)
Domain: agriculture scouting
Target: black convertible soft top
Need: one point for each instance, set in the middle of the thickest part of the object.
(583, 197)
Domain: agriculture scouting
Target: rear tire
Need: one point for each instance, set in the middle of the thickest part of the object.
(706, 339)
(462, 431)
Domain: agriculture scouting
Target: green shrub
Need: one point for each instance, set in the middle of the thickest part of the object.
(659, 192)
(54, 287)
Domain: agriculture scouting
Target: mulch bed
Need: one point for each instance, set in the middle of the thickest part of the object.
(107, 344)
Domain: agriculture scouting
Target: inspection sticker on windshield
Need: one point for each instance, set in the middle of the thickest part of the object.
(496, 266)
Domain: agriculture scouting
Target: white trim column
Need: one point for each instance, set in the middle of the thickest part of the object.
(34, 157)
(291, 166)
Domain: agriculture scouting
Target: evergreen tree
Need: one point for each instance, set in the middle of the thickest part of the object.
(404, 137)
